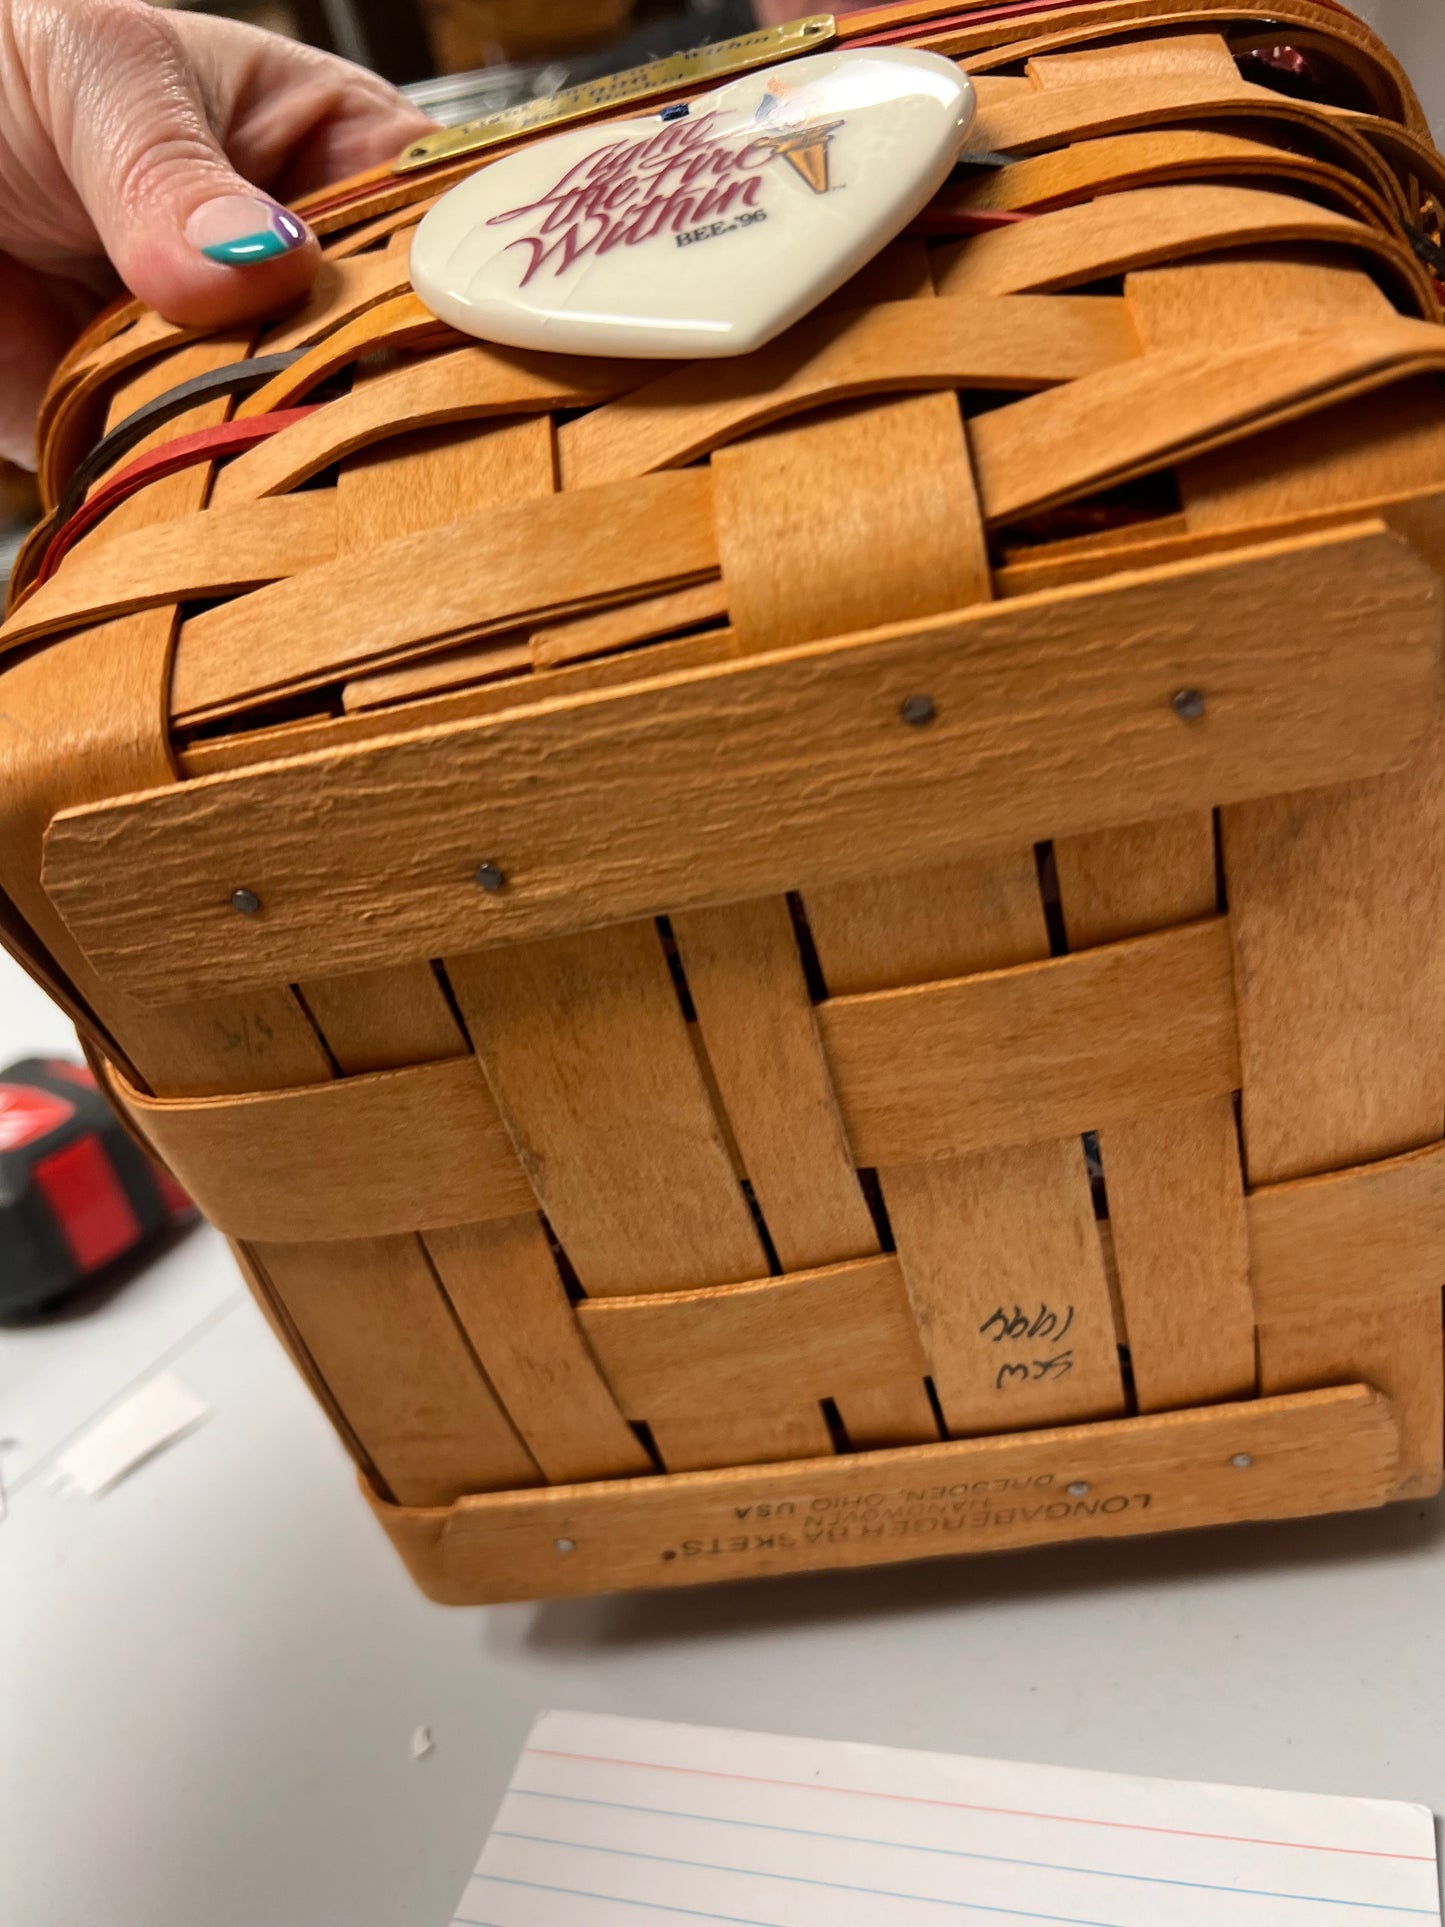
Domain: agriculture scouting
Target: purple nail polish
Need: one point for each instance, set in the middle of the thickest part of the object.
(237, 230)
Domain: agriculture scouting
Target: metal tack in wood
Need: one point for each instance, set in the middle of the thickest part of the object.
(490, 878)
(1188, 705)
(918, 711)
(247, 902)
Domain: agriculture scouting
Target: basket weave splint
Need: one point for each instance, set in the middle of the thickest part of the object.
(822, 958)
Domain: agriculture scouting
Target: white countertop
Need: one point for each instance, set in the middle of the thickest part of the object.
(210, 1678)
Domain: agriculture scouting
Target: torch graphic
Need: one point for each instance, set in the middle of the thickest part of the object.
(805, 149)
(804, 145)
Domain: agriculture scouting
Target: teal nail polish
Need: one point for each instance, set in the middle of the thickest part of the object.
(238, 230)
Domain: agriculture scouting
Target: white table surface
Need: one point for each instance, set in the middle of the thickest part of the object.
(210, 1678)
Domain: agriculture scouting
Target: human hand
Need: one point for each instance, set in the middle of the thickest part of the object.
(152, 141)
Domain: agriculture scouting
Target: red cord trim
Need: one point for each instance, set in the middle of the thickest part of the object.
(204, 445)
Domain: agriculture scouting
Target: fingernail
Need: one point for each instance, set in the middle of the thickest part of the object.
(239, 229)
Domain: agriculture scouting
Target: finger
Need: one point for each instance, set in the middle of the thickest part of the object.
(296, 118)
(348, 141)
(186, 231)
(41, 317)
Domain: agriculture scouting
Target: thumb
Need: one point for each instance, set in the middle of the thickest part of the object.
(185, 231)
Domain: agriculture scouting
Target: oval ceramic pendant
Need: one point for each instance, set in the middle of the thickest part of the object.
(698, 232)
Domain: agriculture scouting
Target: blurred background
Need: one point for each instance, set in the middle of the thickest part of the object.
(461, 58)
(1416, 31)
(515, 43)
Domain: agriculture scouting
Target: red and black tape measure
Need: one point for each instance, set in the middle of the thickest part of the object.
(75, 1193)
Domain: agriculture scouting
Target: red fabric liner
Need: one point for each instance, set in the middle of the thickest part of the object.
(204, 445)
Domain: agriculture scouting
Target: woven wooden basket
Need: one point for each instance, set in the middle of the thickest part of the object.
(817, 959)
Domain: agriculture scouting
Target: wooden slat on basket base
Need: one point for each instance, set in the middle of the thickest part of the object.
(391, 1352)
(1123, 883)
(193, 556)
(1385, 447)
(504, 1286)
(1184, 53)
(738, 1375)
(1074, 246)
(903, 529)
(1007, 1278)
(1158, 543)
(1174, 1181)
(434, 700)
(1176, 1211)
(342, 291)
(1040, 45)
(487, 568)
(387, 1020)
(58, 751)
(861, 470)
(430, 477)
(424, 1146)
(1234, 300)
(748, 989)
(501, 658)
(284, 1327)
(564, 642)
(437, 474)
(1045, 1050)
(1339, 923)
(1027, 119)
(1140, 417)
(1318, 659)
(977, 1234)
(585, 1048)
(922, 926)
(1334, 902)
(893, 537)
(531, 1355)
(1070, 174)
(1321, 1452)
(1016, 344)
(1322, 1247)
(469, 385)
(403, 322)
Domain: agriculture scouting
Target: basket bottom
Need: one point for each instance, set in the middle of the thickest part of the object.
(1316, 1452)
